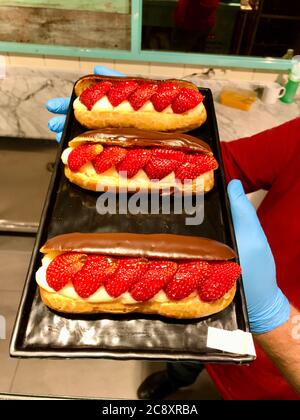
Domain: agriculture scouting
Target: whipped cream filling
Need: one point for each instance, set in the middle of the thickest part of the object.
(99, 296)
(103, 105)
(112, 178)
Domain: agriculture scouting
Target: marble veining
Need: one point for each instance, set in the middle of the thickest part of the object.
(234, 123)
(24, 92)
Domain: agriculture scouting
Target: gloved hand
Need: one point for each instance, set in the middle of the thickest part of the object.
(60, 105)
(268, 308)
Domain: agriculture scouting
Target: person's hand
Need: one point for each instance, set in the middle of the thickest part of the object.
(268, 308)
(60, 105)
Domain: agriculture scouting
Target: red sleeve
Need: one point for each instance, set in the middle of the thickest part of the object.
(193, 15)
(258, 160)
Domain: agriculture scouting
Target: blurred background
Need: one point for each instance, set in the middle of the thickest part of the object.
(239, 27)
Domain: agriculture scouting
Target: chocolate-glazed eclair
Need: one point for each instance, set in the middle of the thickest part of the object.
(162, 105)
(136, 160)
(171, 275)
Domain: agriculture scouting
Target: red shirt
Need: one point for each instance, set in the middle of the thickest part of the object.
(196, 15)
(269, 161)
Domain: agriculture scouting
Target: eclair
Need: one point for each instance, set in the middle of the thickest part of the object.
(160, 105)
(118, 273)
(138, 160)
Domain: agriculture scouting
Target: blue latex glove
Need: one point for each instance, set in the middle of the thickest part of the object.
(60, 105)
(268, 308)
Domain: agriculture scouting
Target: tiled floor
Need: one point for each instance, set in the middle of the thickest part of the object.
(89, 378)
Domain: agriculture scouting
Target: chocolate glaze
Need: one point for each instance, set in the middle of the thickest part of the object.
(132, 137)
(91, 79)
(174, 247)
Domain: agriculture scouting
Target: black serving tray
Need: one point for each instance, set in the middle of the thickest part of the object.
(40, 332)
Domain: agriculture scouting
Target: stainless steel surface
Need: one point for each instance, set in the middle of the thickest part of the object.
(15, 253)
(25, 171)
(5, 396)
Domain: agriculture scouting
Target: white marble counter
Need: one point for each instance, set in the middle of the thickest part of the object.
(23, 94)
(234, 123)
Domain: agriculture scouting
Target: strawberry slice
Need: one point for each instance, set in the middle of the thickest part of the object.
(129, 271)
(120, 91)
(110, 156)
(159, 273)
(134, 161)
(160, 168)
(188, 277)
(195, 165)
(82, 155)
(168, 153)
(163, 162)
(222, 278)
(95, 271)
(186, 100)
(142, 94)
(63, 268)
(164, 96)
(92, 94)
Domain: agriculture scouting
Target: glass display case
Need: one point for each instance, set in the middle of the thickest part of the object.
(238, 33)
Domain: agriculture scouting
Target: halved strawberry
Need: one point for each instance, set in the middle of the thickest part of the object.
(185, 100)
(129, 271)
(156, 277)
(82, 155)
(142, 94)
(120, 91)
(92, 94)
(204, 161)
(163, 161)
(63, 268)
(195, 165)
(160, 168)
(164, 96)
(95, 271)
(168, 153)
(187, 278)
(134, 160)
(110, 156)
(222, 278)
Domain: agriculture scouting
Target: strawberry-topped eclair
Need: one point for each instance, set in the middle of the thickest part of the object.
(170, 275)
(137, 160)
(161, 105)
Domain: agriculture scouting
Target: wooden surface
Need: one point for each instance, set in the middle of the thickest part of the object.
(65, 27)
(112, 6)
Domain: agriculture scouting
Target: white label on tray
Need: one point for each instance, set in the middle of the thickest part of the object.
(2, 67)
(238, 341)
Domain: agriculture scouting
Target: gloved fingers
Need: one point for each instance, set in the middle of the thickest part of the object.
(58, 105)
(242, 210)
(56, 124)
(58, 136)
(245, 221)
(105, 71)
